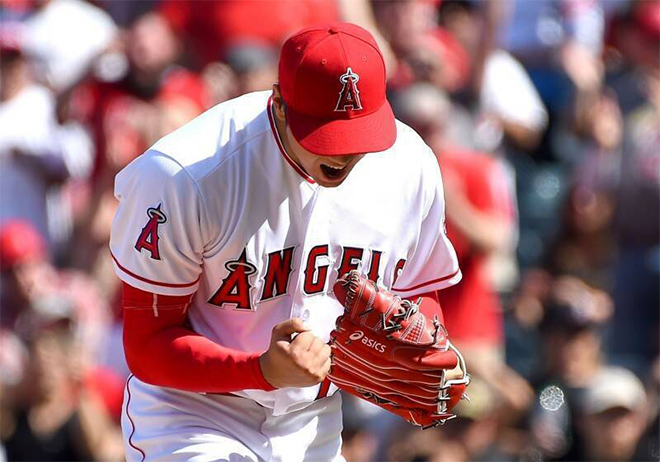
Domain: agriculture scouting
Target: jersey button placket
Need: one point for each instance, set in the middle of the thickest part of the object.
(317, 234)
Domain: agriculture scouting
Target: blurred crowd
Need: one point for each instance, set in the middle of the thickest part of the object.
(544, 116)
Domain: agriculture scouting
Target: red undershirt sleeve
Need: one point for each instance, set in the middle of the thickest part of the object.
(430, 305)
(162, 351)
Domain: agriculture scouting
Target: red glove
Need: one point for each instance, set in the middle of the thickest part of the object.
(386, 351)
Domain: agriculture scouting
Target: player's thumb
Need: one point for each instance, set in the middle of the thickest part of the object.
(286, 329)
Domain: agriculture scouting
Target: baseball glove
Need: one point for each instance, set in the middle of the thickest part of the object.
(386, 351)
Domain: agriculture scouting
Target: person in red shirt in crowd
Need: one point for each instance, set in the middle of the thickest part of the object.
(480, 210)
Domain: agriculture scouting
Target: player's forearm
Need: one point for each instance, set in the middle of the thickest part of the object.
(161, 351)
(179, 358)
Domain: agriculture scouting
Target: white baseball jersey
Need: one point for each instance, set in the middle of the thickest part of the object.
(218, 209)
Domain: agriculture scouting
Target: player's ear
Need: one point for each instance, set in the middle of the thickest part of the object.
(278, 103)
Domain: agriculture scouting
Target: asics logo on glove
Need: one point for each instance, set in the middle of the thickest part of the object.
(371, 343)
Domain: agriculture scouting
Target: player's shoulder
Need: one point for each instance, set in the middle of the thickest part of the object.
(206, 141)
(409, 140)
(150, 173)
(409, 164)
(411, 153)
(200, 146)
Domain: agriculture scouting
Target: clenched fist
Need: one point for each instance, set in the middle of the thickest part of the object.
(295, 361)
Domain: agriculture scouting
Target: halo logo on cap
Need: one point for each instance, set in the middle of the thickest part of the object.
(349, 96)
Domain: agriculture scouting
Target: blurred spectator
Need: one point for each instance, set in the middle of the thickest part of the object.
(125, 13)
(574, 316)
(363, 428)
(635, 341)
(585, 245)
(633, 59)
(480, 223)
(30, 283)
(424, 53)
(402, 21)
(212, 28)
(480, 429)
(55, 417)
(508, 104)
(65, 53)
(154, 98)
(57, 404)
(220, 81)
(568, 32)
(255, 65)
(615, 413)
(19, 243)
(37, 155)
(559, 43)
(251, 65)
(413, 445)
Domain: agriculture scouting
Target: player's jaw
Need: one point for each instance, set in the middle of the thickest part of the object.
(331, 172)
(327, 171)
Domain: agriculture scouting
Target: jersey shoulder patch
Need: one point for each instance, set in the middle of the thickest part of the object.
(148, 238)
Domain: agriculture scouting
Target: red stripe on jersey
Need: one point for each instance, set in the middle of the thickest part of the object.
(280, 145)
(149, 281)
(408, 289)
(130, 419)
(323, 389)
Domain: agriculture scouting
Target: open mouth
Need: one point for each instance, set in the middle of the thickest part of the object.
(333, 173)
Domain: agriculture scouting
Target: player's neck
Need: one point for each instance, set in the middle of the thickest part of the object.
(280, 126)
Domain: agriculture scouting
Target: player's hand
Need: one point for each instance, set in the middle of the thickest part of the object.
(293, 360)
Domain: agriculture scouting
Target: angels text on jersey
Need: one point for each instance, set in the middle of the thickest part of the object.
(236, 288)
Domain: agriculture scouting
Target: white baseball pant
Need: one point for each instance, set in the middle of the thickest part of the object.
(166, 425)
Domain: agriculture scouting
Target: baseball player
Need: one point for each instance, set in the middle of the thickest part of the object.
(230, 234)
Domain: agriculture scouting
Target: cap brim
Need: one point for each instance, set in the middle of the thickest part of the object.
(606, 403)
(337, 137)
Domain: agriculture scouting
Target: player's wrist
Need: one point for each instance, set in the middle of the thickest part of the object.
(260, 365)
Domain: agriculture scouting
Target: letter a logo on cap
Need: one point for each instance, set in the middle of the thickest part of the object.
(349, 96)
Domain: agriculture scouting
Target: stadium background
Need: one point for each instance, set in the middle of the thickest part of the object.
(544, 116)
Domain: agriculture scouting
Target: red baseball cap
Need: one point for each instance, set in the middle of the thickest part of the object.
(19, 242)
(332, 79)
